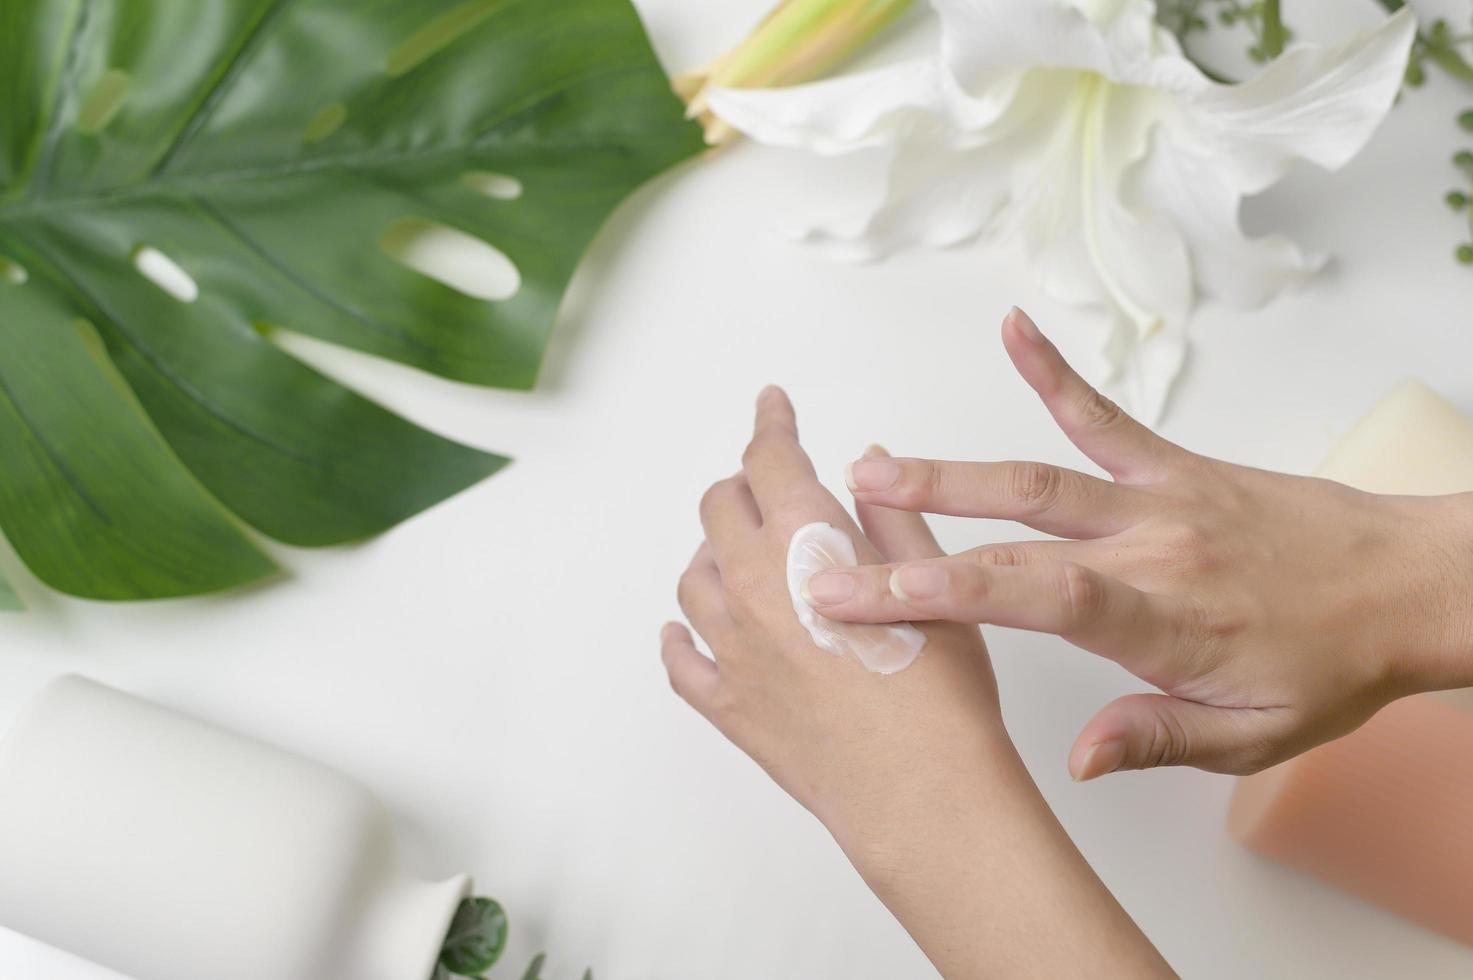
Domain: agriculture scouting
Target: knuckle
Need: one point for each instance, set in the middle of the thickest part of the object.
(678, 683)
(1186, 547)
(754, 453)
(722, 705)
(766, 443)
(920, 483)
(685, 591)
(932, 482)
(711, 500)
(1199, 635)
(1081, 594)
(1167, 745)
(1034, 486)
(974, 587)
(1000, 556)
(1255, 756)
(1099, 412)
(1189, 542)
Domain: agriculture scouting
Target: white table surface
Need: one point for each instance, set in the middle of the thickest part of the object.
(490, 668)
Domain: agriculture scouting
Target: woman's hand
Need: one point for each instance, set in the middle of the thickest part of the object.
(855, 748)
(912, 772)
(1276, 612)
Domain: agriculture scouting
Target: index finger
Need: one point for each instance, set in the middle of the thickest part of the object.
(777, 469)
(1125, 448)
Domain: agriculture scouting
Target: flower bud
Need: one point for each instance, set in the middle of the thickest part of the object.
(797, 42)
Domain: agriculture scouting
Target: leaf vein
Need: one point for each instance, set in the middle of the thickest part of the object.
(50, 451)
(204, 109)
(161, 367)
(39, 175)
(264, 254)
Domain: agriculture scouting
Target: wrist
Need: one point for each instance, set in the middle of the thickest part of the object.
(1441, 596)
(926, 812)
(1458, 628)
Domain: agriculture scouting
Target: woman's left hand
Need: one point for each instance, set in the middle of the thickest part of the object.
(852, 746)
(913, 772)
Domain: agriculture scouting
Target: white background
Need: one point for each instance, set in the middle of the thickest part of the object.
(490, 668)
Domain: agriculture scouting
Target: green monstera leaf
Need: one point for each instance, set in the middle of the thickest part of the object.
(181, 178)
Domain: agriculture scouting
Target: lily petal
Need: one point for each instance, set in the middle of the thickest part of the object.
(1319, 104)
(1204, 205)
(1316, 104)
(937, 195)
(984, 41)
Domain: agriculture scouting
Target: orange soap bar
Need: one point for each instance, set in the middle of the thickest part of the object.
(1385, 813)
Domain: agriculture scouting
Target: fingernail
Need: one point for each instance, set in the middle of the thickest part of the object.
(668, 632)
(912, 582)
(875, 449)
(767, 393)
(827, 588)
(1025, 325)
(1102, 757)
(871, 474)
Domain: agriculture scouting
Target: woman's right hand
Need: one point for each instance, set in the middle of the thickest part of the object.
(1276, 612)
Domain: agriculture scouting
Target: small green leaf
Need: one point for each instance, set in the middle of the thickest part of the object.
(1450, 61)
(534, 969)
(1463, 159)
(477, 937)
(588, 974)
(1465, 119)
(1464, 253)
(1456, 200)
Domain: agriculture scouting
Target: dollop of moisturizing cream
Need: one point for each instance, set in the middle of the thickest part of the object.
(881, 647)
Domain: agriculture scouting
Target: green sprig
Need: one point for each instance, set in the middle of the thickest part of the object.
(1461, 199)
(1443, 47)
(534, 969)
(1439, 45)
(1262, 19)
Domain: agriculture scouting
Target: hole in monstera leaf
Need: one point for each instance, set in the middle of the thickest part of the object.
(325, 123)
(103, 101)
(460, 261)
(438, 34)
(13, 272)
(166, 274)
(499, 186)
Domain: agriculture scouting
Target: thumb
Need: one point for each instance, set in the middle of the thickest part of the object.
(1144, 731)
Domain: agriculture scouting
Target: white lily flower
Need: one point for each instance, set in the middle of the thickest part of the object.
(1082, 129)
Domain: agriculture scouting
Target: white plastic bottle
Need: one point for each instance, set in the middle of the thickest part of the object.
(168, 849)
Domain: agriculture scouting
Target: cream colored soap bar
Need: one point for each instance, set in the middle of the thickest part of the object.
(1387, 811)
(1414, 442)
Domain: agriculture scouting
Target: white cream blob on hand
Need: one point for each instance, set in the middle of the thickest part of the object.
(881, 647)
